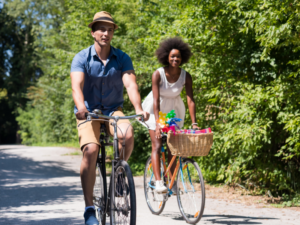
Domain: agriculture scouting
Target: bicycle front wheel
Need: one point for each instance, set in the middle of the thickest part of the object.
(123, 199)
(190, 191)
(99, 195)
(155, 201)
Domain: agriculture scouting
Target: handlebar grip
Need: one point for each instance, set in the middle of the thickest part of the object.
(86, 115)
(142, 118)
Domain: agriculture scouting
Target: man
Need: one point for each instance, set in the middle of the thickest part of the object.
(98, 74)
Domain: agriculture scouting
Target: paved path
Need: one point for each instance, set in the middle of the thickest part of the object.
(41, 185)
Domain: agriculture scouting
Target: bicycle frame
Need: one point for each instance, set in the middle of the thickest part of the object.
(173, 176)
(116, 153)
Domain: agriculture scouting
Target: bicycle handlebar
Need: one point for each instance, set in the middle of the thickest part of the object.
(115, 118)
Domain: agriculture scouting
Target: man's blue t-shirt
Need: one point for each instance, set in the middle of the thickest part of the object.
(103, 85)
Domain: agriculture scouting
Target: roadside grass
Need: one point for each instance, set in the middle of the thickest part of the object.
(65, 144)
(288, 201)
(74, 145)
(74, 153)
(237, 194)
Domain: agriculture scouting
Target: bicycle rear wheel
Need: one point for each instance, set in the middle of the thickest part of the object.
(190, 191)
(123, 199)
(99, 195)
(155, 201)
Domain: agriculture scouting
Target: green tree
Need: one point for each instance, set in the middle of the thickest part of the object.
(18, 71)
(245, 70)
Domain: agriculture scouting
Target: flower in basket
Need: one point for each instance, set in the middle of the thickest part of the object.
(162, 115)
(161, 122)
(165, 129)
(167, 122)
(171, 114)
(172, 122)
(173, 125)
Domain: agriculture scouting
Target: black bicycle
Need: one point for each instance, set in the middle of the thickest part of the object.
(120, 201)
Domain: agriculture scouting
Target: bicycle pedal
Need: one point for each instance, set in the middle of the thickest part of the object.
(159, 197)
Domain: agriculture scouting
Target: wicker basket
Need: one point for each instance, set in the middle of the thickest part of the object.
(190, 144)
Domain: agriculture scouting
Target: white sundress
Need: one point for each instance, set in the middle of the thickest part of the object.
(169, 98)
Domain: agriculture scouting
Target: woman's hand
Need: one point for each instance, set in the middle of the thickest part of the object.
(158, 131)
(195, 127)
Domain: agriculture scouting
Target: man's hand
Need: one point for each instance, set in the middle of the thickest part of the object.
(146, 115)
(80, 115)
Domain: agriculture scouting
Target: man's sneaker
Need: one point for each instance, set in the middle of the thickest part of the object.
(160, 187)
(121, 185)
(90, 217)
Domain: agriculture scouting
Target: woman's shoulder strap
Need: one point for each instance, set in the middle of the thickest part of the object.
(161, 71)
(183, 76)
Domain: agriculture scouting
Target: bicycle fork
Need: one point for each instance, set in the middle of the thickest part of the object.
(190, 180)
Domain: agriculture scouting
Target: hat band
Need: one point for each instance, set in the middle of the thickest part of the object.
(104, 18)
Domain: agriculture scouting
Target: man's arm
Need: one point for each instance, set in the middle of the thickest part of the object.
(77, 79)
(129, 80)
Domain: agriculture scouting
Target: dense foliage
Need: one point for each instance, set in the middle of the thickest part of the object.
(18, 70)
(245, 69)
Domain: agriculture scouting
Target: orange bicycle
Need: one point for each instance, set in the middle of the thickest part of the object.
(189, 186)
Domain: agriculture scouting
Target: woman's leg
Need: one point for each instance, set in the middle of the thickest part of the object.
(170, 156)
(155, 155)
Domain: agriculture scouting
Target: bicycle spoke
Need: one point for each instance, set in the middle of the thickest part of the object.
(191, 192)
(124, 201)
(154, 200)
(98, 195)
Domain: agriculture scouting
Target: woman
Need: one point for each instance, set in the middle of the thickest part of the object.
(167, 83)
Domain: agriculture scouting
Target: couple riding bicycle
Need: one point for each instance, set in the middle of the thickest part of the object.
(99, 74)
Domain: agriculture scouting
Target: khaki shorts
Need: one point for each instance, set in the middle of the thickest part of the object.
(89, 132)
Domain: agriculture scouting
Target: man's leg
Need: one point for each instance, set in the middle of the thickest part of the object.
(88, 172)
(128, 140)
(89, 134)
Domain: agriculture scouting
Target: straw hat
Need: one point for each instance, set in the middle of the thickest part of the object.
(103, 17)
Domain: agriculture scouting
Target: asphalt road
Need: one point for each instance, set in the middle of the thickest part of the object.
(41, 185)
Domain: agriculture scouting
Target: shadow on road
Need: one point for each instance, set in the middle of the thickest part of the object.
(55, 221)
(222, 219)
(31, 190)
(234, 219)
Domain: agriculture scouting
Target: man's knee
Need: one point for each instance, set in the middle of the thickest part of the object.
(130, 134)
(90, 151)
(126, 132)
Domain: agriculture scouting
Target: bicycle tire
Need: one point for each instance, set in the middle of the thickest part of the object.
(100, 194)
(156, 207)
(123, 198)
(190, 191)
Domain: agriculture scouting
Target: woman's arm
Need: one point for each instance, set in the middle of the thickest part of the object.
(190, 98)
(156, 100)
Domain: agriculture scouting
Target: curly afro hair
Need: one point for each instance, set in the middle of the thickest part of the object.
(166, 46)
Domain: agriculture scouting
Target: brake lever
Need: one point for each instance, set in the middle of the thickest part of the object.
(88, 117)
